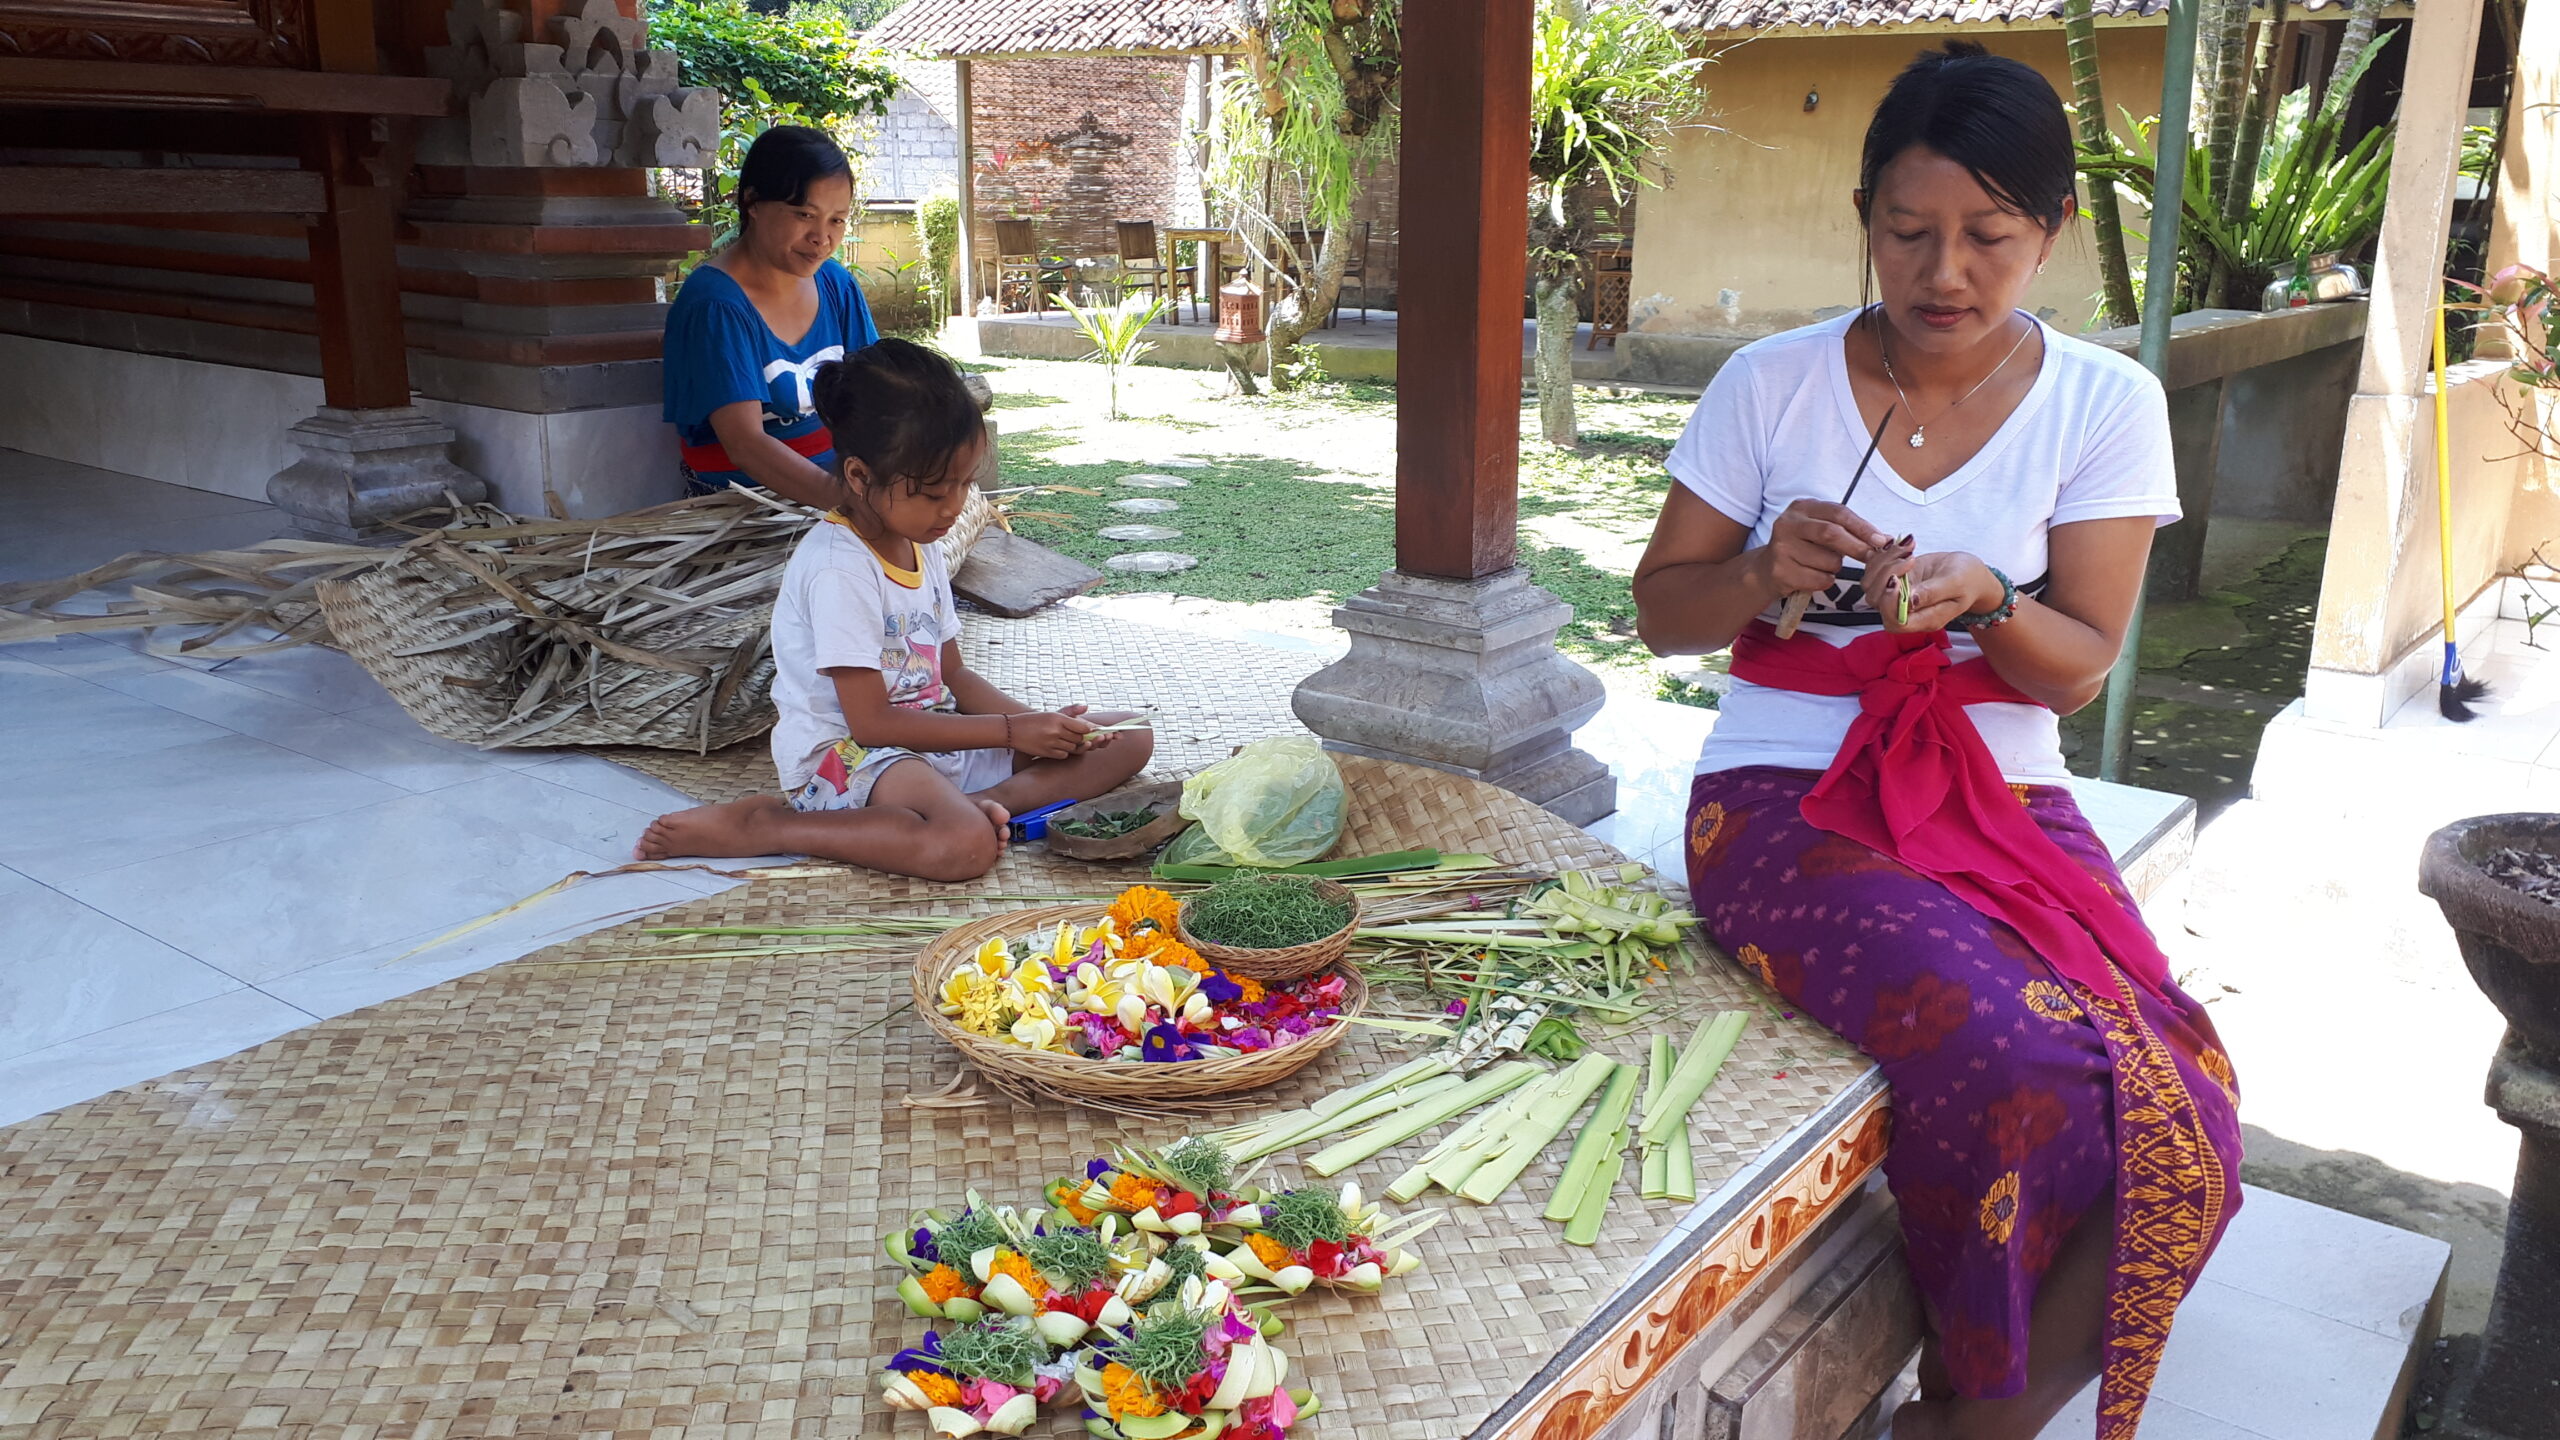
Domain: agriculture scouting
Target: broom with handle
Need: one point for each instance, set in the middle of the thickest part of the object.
(2454, 694)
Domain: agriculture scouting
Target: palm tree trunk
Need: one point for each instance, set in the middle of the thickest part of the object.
(2222, 97)
(2357, 39)
(2259, 112)
(2106, 213)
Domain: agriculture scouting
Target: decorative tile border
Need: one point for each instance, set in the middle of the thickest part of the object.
(1607, 1370)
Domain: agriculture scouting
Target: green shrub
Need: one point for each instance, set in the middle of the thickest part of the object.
(938, 242)
(809, 61)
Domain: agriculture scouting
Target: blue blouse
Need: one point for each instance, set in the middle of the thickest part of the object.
(719, 351)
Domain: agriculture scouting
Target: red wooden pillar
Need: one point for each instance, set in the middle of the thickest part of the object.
(1465, 167)
(355, 282)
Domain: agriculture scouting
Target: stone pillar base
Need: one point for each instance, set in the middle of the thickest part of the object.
(1463, 676)
(361, 468)
(2509, 1390)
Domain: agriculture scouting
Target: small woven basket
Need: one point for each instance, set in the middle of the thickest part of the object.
(1294, 962)
(1165, 799)
(1103, 1083)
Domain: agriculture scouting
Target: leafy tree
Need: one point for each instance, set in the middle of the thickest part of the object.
(1296, 126)
(1608, 84)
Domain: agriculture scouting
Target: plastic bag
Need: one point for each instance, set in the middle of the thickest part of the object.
(1277, 802)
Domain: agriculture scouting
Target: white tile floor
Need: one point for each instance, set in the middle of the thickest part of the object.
(200, 856)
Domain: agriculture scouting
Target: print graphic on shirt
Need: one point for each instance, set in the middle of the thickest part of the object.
(911, 659)
(802, 371)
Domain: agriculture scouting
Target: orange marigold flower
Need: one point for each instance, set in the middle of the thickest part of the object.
(1180, 956)
(1132, 1193)
(944, 1283)
(1252, 988)
(940, 1389)
(1125, 1393)
(1073, 1204)
(1269, 1251)
(1022, 1270)
(1142, 905)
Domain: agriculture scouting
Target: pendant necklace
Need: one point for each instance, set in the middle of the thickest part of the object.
(1917, 431)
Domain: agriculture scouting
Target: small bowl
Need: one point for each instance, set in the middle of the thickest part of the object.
(1294, 962)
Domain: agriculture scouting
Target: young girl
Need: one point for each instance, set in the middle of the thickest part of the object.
(893, 754)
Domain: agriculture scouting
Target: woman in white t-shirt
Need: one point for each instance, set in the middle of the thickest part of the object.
(1879, 829)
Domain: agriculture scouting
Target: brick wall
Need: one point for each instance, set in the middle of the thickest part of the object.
(913, 150)
(1074, 144)
(1380, 193)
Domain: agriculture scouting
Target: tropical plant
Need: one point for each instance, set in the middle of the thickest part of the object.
(1608, 83)
(938, 238)
(1118, 333)
(1295, 129)
(2116, 305)
(2520, 305)
(2310, 199)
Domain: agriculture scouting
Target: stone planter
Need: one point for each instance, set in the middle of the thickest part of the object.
(2511, 943)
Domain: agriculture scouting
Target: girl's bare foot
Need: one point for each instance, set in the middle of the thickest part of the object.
(737, 828)
(1002, 819)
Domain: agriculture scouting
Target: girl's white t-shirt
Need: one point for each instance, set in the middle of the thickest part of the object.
(838, 609)
(1779, 423)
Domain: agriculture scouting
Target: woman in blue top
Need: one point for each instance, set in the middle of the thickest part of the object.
(753, 323)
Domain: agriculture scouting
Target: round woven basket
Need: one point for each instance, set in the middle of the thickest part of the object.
(1294, 962)
(1103, 1082)
(1164, 799)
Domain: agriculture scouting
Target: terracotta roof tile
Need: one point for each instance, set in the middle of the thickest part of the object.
(956, 28)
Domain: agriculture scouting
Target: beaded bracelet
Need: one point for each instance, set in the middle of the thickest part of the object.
(1990, 619)
(1008, 731)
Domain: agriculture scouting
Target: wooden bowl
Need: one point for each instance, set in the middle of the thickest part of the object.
(1162, 798)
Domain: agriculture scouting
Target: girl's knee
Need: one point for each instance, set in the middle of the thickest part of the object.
(957, 851)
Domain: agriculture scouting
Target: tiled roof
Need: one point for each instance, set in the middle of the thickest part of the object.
(1745, 15)
(958, 28)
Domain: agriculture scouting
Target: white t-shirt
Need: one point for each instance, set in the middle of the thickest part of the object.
(1779, 424)
(839, 608)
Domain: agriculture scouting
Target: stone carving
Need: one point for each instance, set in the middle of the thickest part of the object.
(590, 92)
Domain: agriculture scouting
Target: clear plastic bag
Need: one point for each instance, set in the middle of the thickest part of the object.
(1276, 802)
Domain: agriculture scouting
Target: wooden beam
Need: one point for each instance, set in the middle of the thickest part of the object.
(967, 259)
(98, 189)
(1465, 167)
(355, 279)
(130, 85)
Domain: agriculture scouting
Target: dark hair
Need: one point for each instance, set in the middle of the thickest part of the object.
(783, 163)
(900, 409)
(1996, 117)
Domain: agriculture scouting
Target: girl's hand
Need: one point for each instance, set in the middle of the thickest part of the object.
(1049, 735)
(1810, 539)
(1943, 586)
(1094, 739)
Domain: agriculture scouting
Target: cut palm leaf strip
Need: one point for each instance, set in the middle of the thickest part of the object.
(1396, 1129)
(1599, 1144)
(1545, 1121)
(1655, 1183)
(1699, 1061)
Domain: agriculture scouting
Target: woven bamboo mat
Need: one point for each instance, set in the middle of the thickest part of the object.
(1210, 695)
(646, 1199)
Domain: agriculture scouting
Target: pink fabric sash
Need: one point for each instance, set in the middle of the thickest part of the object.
(1914, 782)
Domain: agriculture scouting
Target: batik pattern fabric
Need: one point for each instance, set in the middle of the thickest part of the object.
(2020, 1100)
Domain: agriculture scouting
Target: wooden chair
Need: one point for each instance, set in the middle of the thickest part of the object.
(1143, 268)
(1019, 262)
(1612, 277)
(1356, 269)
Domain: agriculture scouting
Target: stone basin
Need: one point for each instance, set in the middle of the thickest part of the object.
(2510, 940)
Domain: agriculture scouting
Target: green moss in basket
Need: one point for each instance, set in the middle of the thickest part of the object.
(1300, 1218)
(1163, 1346)
(1070, 1257)
(1263, 912)
(1110, 825)
(1004, 1351)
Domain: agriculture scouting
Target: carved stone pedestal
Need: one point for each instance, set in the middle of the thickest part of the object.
(360, 468)
(1463, 676)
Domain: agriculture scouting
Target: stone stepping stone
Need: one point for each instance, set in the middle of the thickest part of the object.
(1185, 463)
(1153, 534)
(1151, 562)
(1145, 507)
(1155, 482)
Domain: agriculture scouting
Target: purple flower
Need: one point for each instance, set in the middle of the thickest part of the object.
(1096, 1169)
(925, 1359)
(1456, 1007)
(1166, 1042)
(923, 1247)
(1220, 989)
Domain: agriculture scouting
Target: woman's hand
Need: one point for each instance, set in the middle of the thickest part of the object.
(1942, 586)
(1810, 538)
(1050, 734)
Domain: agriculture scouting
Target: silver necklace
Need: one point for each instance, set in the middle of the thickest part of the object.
(1917, 431)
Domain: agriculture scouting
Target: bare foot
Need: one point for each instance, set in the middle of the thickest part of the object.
(1002, 819)
(714, 830)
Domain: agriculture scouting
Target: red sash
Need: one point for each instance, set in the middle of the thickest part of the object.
(1914, 782)
(713, 459)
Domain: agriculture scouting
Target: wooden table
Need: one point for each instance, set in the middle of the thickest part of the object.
(1205, 283)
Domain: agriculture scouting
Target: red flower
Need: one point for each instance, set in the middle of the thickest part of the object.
(1325, 1258)
(1195, 1396)
(1916, 1018)
(1172, 1202)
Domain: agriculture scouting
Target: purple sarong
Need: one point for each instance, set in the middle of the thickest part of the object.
(2019, 1099)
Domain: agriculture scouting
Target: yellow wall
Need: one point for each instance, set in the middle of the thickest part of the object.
(1761, 207)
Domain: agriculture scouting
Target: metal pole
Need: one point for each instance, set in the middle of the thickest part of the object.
(2159, 298)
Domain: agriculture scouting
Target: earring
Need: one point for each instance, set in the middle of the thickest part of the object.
(2039, 267)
